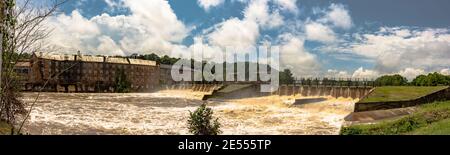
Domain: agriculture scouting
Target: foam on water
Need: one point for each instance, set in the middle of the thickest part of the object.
(167, 113)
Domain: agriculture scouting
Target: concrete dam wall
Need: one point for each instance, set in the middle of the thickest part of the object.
(239, 91)
(207, 88)
(334, 91)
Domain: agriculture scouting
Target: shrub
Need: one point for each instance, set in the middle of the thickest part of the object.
(201, 122)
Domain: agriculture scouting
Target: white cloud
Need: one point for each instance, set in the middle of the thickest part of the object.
(293, 55)
(365, 73)
(411, 73)
(319, 32)
(235, 32)
(112, 3)
(339, 16)
(245, 32)
(445, 71)
(408, 73)
(152, 26)
(258, 11)
(107, 46)
(289, 5)
(403, 33)
(70, 36)
(332, 73)
(207, 4)
(208, 51)
(397, 48)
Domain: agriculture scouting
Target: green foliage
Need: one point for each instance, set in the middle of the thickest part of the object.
(286, 77)
(432, 79)
(153, 57)
(168, 60)
(391, 80)
(201, 122)
(122, 83)
(401, 126)
(437, 128)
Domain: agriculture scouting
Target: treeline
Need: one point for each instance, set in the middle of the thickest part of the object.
(432, 79)
(166, 60)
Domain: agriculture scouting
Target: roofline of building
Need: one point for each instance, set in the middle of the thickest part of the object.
(105, 58)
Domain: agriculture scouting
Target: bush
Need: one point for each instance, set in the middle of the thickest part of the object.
(391, 80)
(200, 122)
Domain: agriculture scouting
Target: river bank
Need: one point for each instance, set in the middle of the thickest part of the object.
(429, 119)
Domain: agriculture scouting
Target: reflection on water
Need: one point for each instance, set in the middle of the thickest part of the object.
(167, 112)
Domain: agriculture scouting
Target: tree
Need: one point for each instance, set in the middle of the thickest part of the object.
(165, 60)
(201, 122)
(391, 80)
(21, 31)
(122, 83)
(432, 79)
(286, 77)
(152, 57)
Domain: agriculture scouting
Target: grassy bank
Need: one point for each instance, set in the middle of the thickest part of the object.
(431, 118)
(438, 128)
(399, 93)
(5, 129)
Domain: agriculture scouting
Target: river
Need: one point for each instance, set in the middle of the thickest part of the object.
(167, 112)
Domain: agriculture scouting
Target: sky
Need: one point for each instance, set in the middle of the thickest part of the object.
(339, 38)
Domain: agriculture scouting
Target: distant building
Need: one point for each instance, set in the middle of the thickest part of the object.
(22, 69)
(84, 73)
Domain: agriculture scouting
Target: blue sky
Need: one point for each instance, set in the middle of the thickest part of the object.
(345, 38)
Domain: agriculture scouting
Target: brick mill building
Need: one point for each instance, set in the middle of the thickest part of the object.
(85, 73)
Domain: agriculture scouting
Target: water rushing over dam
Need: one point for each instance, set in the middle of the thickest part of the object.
(167, 112)
(235, 90)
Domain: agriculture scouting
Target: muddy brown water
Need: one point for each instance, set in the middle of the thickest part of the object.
(167, 113)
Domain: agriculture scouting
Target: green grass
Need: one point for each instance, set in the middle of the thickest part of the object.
(429, 119)
(438, 128)
(5, 129)
(399, 93)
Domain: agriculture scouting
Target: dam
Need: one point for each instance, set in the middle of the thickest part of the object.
(253, 90)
